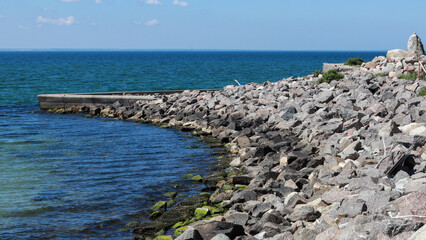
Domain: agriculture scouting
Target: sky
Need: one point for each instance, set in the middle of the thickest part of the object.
(211, 24)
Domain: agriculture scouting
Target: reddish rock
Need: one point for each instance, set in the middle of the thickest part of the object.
(371, 65)
(412, 204)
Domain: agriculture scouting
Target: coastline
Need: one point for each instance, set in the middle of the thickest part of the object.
(307, 153)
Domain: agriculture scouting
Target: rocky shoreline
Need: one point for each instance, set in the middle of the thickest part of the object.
(338, 160)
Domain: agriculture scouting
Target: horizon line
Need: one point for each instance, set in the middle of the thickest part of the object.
(175, 50)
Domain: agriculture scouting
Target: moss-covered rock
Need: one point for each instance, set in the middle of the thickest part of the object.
(206, 193)
(164, 237)
(188, 175)
(197, 178)
(193, 146)
(170, 194)
(132, 224)
(180, 230)
(239, 187)
(159, 206)
(214, 210)
(178, 225)
(201, 213)
(155, 215)
(211, 141)
(170, 203)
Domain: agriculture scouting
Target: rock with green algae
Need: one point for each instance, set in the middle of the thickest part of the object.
(201, 213)
(170, 194)
(178, 225)
(159, 206)
(193, 146)
(180, 230)
(206, 193)
(239, 187)
(182, 212)
(155, 215)
(170, 203)
(132, 224)
(214, 210)
(188, 175)
(164, 237)
(197, 178)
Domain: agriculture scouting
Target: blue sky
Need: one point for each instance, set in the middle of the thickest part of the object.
(211, 24)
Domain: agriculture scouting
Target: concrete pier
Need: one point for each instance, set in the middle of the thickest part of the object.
(64, 100)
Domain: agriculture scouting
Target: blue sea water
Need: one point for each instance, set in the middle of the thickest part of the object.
(71, 177)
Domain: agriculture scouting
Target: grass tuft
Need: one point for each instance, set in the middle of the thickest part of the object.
(354, 62)
(330, 75)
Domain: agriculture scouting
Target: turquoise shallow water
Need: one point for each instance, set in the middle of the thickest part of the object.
(71, 177)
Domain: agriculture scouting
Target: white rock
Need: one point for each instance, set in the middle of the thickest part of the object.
(236, 162)
(414, 129)
(397, 53)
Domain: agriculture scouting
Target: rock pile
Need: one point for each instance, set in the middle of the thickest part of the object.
(399, 62)
(344, 160)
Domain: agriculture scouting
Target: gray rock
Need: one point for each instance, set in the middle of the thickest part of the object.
(190, 234)
(221, 236)
(260, 209)
(304, 213)
(210, 229)
(389, 129)
(363, 183)
(417, 185)
(284, 236)
(274, 217)
(243, 141)
(243, 196)
(352, 208)
(335, 196)
(401, 175)
(351, 151)
(374, 199)
(324, 96)
(415, 45)
(237, 218)
(304, 234)
(289, 113)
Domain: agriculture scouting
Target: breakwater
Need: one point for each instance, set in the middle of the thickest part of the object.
(344, 159)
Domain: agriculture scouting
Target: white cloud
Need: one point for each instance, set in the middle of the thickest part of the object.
(137, 22)
(152, 22)
(70, 0)
(21, 27)
(153, 2)
(98, 1)
(180, 3)
(1, 16)
(93, 24)
(60, 21)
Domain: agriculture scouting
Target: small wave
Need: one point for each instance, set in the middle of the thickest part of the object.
(29, 212)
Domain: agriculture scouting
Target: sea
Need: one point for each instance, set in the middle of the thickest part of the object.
(67, 176)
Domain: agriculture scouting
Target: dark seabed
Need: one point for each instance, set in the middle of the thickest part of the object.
(71, 177)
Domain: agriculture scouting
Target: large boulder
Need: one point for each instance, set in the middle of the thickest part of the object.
(415, 45)
(397, 53)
